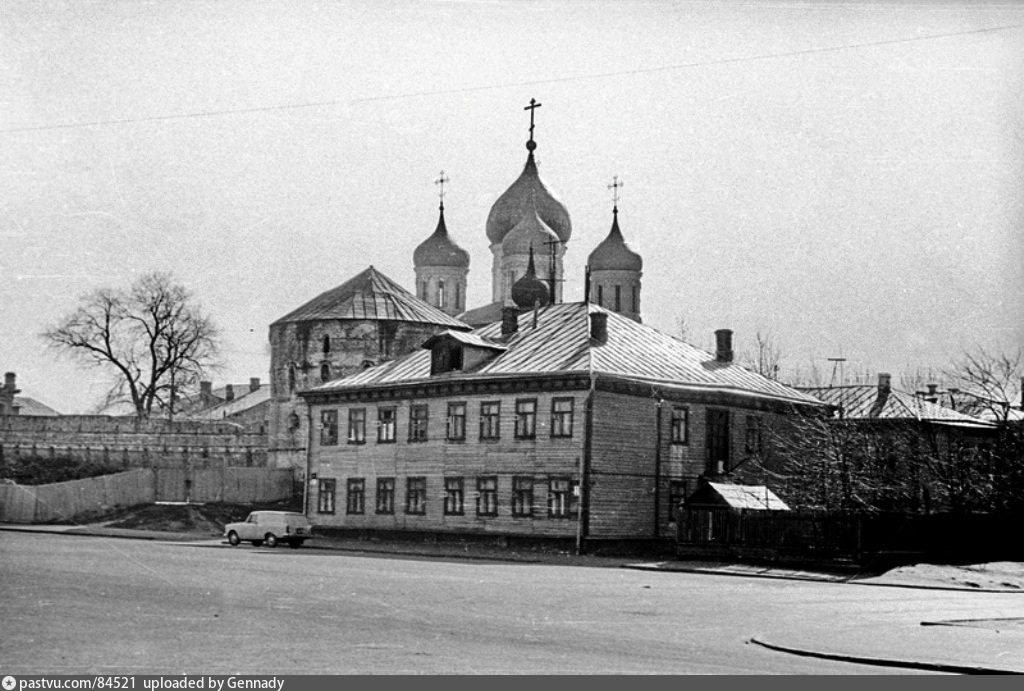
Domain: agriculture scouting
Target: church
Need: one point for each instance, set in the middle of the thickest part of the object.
(525, 417)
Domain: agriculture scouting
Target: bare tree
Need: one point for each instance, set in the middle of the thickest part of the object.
(153, 339)
(766, 358)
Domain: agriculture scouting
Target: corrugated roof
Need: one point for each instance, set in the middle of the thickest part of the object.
(561, 343)
(371, 296)
(748, 496)
(864, 401)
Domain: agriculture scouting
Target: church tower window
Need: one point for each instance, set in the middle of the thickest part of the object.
(458, 295)
(635, 306)
(327, 344)
(618, 298)
(325, 371)
(600, 296)
(440, 293)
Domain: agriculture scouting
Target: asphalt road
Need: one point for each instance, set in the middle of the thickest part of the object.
(99, 605)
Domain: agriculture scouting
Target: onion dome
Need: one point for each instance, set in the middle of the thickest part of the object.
(516, 200)
(528, 233)
(613, 254)
(529, 290)
(439, 249)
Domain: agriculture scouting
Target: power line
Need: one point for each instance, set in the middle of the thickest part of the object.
(506, 85)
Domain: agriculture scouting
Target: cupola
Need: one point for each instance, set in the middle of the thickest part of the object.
(613, 254)
(439, 249)
(529, 291)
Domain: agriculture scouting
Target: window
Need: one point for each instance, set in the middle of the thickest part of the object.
(490, 414)
(357, 426)
(755, 443)
(453, 496)
(328, 427)
(522, 496)
(456, 422)
(416, 495)
(526, 418)
(325, 498)
(385, 425)
(423, 291)
(677, 493)
(561, 417)
(418, 423)
(680, 425)
(440, 293)
(618, 298)
(325, 371)
(600, 296)
(386, 332)
(717, 441)
(487, 496)
(562, 497)
(355, 496)
(291, 378)
(327, 344)
(385, 495)
(458, 295)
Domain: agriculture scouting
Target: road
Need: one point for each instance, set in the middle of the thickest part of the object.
(75, 604)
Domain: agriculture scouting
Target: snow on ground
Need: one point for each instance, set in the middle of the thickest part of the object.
(998, 575)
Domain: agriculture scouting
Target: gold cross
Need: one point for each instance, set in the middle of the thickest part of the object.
(440, 182)
(532, 107)
(615, 189)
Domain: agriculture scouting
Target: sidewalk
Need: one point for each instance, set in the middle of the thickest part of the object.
(990, 644)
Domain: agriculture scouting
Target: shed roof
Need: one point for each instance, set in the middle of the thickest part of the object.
(371, 295)
(757, 497)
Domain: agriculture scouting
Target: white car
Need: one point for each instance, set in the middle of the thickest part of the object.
(270, 527)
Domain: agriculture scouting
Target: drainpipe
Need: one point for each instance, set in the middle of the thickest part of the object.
(309, 459)
(583, 511)
(657, 471)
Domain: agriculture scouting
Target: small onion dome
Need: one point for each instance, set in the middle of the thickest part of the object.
(613, 254)
(439, 249)
(529, 290)
(516, 200)
(528, 233)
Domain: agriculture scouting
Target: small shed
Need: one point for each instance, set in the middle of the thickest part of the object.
(722, 495)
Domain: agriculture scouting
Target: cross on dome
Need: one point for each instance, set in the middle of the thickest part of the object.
(531, 145)
(614, 187)
(440, 182)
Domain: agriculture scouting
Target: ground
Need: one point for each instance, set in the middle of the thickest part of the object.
(209, 520)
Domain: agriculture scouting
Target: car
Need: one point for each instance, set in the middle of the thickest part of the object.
(269, 528)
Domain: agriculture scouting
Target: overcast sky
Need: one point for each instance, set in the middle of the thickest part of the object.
(846, 176)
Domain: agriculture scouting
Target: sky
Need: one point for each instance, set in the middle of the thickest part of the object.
(844, 176)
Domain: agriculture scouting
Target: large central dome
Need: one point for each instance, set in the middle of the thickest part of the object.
(519, 199)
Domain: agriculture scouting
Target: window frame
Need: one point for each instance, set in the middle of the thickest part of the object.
(329, 427)
(522, 496)
(385, 497)
(753, 443)
(486, 418)
(680, 425)
(526, 420)
(419, 492)
(418, 425)
(489, 507)
(449, 436)
(454, 496)
(569, 502)
(558, 428)
(355, 496)
(326, 488)
(382, 438)
(356, 426)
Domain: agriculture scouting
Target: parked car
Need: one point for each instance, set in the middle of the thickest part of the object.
(270, 527)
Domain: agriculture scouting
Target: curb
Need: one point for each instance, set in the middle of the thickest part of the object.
(884, 662)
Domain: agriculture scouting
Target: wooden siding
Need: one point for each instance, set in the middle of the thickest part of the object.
(541, 458)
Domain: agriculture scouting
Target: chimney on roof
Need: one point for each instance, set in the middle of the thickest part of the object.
(599, 326)
(11, 383)
(206, 390)
(254, 383)
(723, 345)
(884, 382)
(509, 321)
(933, 389)
(229, 392)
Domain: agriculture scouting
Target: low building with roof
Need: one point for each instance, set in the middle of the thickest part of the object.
(12, 404)
(566, 421)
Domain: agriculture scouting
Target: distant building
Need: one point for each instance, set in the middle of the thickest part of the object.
(562, 421)
(12, 404)
(246, 404)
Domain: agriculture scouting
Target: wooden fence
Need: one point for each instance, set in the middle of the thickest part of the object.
(864, 539)
(65, 501)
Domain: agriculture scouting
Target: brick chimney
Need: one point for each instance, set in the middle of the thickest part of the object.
(509, 321)
(7, 392)
(229, 392)
(723, 345)
(254, 383)
(884, 382)
(599, 326)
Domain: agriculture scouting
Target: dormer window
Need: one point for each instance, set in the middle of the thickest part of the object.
(445, 357)
(454, 351)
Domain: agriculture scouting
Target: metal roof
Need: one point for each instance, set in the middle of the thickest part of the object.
(560, 343)
(756, 497)
(868, 402)
(371, 295)
(30, 407)
(470, 339)
(242, 402)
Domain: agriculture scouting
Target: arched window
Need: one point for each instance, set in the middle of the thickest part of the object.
(440, 293)
(325, 371)
(327, 344)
